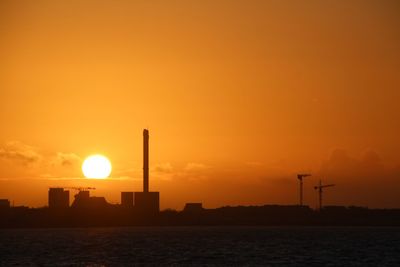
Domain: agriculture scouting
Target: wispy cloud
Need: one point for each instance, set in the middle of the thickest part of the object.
(18, 160)
(65, 159)
(165, 167)
(53, 178)
(22, 153)
(194, 167)
(125, 178)
(341, 164)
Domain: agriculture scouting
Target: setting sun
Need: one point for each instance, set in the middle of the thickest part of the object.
(96, 167)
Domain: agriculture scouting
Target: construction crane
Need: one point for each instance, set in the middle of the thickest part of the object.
(300, 177)
(319, 188)
(80, 188)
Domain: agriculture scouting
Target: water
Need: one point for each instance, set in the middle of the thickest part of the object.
(201, 246)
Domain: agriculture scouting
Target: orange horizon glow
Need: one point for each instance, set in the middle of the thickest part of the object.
(239, 98)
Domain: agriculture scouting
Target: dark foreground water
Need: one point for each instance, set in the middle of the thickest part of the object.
(201, 246)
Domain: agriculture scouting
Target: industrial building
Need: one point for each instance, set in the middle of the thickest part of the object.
(58, 198)
(4, 204)
(83, 200)
(146, 202)
(143, 203)
(127, 199)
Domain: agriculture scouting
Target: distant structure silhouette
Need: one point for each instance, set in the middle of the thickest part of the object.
(127, 199)
(58, 198)
(4, 204)
(83, 200)
(146, 160)
(320, 188)
(193, 207)
(143, 209)
(146, 203)
(300, 177)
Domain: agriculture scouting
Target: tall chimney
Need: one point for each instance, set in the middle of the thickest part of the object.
(145, 160)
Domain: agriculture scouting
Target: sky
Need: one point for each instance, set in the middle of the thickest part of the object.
(239, 97)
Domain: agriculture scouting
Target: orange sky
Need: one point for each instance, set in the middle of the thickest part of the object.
(239, 96)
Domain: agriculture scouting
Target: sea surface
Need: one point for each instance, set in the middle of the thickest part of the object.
(201, 246)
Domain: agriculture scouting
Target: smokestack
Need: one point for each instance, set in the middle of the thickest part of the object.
(145, 160)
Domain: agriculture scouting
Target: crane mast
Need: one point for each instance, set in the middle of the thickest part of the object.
(320, 188)
(300, 177)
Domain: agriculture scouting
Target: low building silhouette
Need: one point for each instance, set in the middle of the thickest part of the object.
(127, 199)
(143, 209)
(193, 207)
(147, 203)
(4, 204)
(58, 198)
(83, 200)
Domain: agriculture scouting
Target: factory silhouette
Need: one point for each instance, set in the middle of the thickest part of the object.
(143, 208)
(145, 203)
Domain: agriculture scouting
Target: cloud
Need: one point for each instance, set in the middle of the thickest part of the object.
(363, 180)
(49, 177)
(343, 166)
(126, 177)
(195, 167)
(191, 171)
(66, 159)
(22, 153)
(132, 173)
(18, 160)
(163, 167)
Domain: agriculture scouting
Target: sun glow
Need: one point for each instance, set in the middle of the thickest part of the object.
(96, 167)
